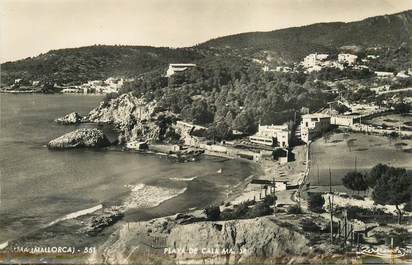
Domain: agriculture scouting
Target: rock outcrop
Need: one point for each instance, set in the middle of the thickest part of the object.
(237, 241)
(136, 119)
(123, 111)
(80, 138)
(97, 223)
(71, 118)
(251, 241)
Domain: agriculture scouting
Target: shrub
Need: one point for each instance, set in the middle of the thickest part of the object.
(260, 209)
(269, 200)
(316, 202)
(355, 181)
(240, 210)
(367, 215)
(212, 213)
(294, 209)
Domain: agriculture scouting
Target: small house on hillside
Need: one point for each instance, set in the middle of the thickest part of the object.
(178, 67)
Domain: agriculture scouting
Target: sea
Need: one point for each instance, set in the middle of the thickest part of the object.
(41, 187)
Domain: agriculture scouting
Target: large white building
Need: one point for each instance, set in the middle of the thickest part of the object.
(312, 125)
(314, 61)
(272, 135)
(178, 67)
(347, 58)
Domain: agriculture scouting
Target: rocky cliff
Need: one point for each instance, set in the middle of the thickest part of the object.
(80, 138)
(123, 111)
(136, 119)
(164, 241)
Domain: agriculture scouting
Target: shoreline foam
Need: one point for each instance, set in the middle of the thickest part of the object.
(74, 215)
(146, 196)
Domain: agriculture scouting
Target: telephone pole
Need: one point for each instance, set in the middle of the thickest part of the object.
(331, 206)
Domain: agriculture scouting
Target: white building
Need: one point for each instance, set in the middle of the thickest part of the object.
(384, 74)
(178, 67)
(272, 135)
(347, 58)
(343, 120)
(137, 145)
(71, 90)
(402, 74)
(314, 59)
(313, 125)
(316, 62)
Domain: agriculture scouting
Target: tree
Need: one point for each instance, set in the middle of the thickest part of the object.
(212, 213)
(402, 108)
(245, 122)
(340, 108)
(316, 202)
(393, 188)
(376, 173)
(355, 181)
(219, 131)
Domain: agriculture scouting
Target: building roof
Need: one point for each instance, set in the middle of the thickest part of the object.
(182, 65)
(315, 115)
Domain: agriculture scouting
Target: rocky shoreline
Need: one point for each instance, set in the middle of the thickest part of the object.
(80, 138)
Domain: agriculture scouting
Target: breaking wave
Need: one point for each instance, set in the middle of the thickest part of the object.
(76, 214)
(183, 179)
(146, 196)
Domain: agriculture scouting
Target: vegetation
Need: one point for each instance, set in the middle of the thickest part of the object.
(403, 108)
(367, 215)
(78, 65)
(250, 209)
(227, 93)
(316, 202)
(293, 44)
(391, 186)
(355, 181)
(212, 213)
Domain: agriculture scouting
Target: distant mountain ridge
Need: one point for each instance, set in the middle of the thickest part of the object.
(94, 62)
(279, 46)
(295, 43)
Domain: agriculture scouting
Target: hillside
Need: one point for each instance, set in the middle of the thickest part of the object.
(94, 62)
(392, 33)
(293, 44)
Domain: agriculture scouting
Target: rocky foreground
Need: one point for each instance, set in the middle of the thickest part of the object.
(171, 240)
(91, 138)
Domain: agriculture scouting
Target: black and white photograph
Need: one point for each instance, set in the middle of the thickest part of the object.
(171, 132)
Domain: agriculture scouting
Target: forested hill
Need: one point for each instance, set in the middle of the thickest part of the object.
(94, 62)
(293, 44)
(77, 65)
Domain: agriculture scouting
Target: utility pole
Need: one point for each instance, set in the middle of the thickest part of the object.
(331, 206)
(355, 162)
(274, 195)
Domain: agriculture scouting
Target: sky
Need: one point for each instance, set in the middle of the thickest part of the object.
(31, 27)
